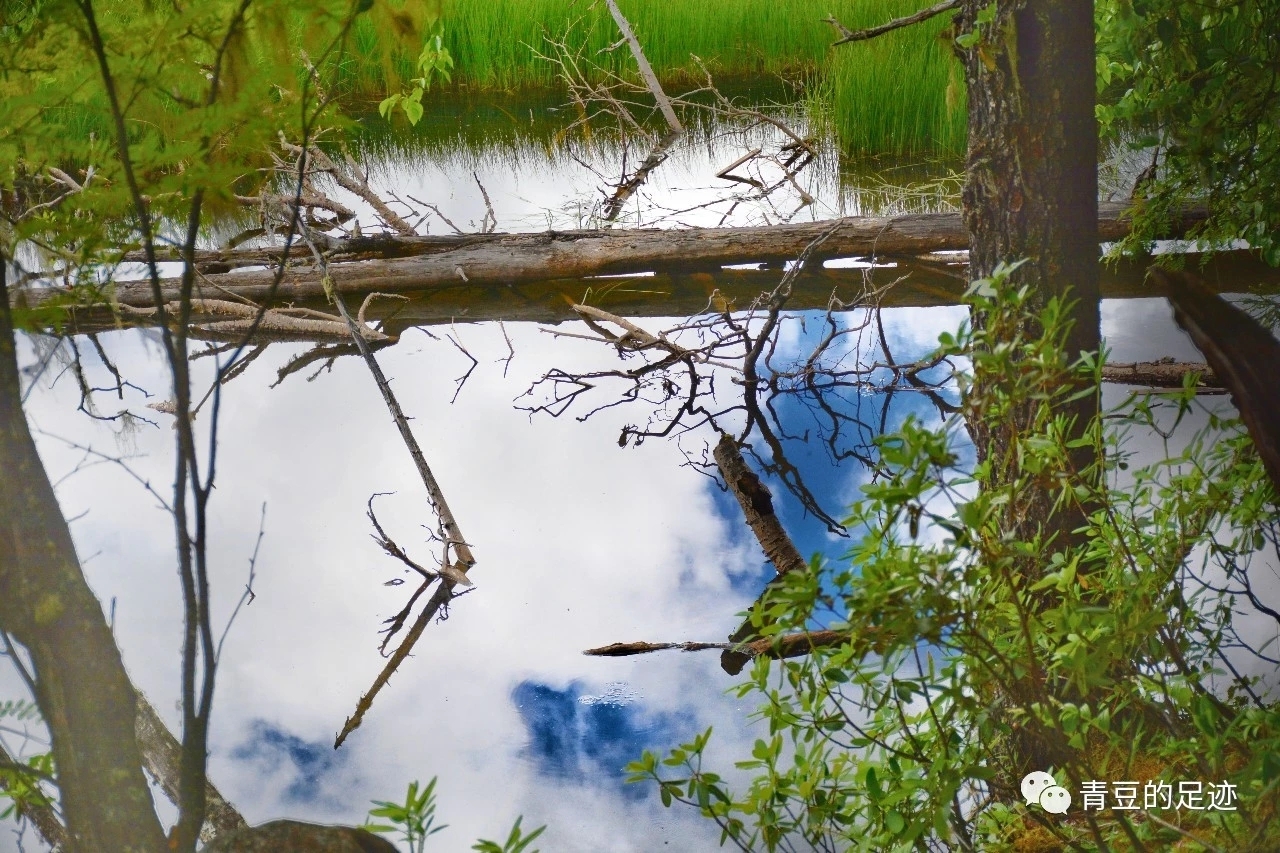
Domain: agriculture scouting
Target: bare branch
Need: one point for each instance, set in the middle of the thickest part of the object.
(847, 35)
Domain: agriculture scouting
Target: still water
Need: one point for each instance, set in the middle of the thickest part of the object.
(579, 543)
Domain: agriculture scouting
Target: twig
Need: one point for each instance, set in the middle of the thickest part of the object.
(461, 380)
(357, 185)
(490, 220)
(248, 595)
(511, 351)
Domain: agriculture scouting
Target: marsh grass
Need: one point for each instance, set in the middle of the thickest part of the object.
(899, 94)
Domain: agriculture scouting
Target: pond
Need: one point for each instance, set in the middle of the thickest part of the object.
(579, 543)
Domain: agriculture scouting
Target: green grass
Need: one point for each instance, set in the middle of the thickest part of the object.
(900, 94)
(492, 40)
(886, 96)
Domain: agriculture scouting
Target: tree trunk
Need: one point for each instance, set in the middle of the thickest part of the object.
(81, 686)
(1031, 190)
(1031, 195)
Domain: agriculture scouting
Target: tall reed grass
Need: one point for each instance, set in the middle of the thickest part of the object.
(902, 93)
(899, 94)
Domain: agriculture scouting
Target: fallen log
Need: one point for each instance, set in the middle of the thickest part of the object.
(916, 283)
(1165, 373)
(647, 249)
(512, 259)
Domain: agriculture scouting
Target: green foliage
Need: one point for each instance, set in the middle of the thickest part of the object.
(22, 789)
(984, 643)
(21, 710)
(1194, 84)
(494, 42)
(517, 841)
(434, 61)
(196, 120)
(414, 819)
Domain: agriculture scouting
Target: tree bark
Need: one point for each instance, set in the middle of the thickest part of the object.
(1031, 191)
(1243, 352)
(83, 692)
(291, 836)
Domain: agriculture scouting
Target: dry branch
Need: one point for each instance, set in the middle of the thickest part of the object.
(353, 182)
(847, 35)
(225, 320)
(628, 186)
(646, 70)
(452, 572)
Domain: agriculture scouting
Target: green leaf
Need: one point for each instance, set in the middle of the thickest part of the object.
(412, 110)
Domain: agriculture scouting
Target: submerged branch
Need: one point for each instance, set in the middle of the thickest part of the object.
(787, 646)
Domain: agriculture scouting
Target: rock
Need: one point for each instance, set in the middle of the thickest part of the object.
(291, 836)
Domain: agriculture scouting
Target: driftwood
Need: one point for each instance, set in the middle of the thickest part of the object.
(409, 264)
(1165, 373)
(452, 572)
